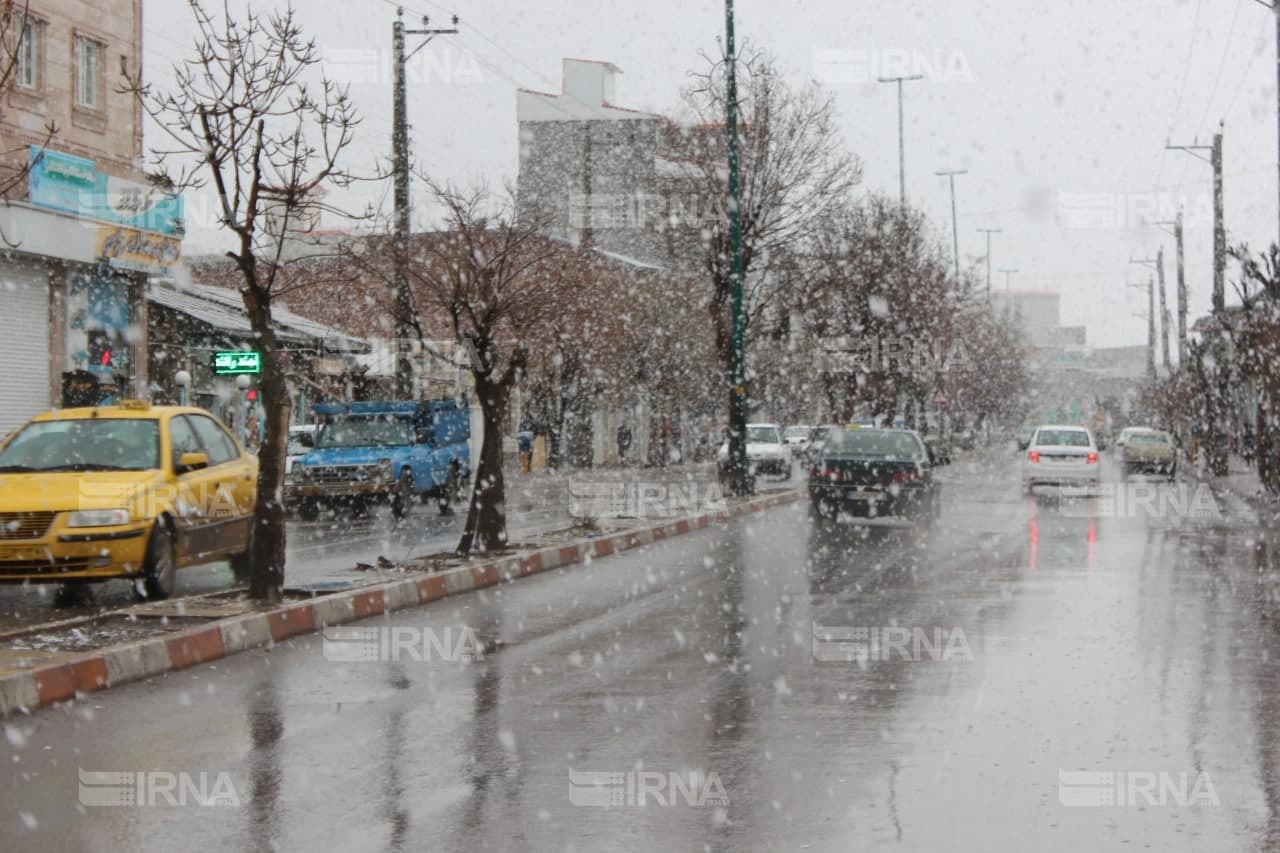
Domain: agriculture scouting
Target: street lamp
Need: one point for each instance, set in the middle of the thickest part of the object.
(182, 379)
(242, 384)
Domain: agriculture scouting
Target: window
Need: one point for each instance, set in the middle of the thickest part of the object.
(100, 444)
(88, 73)
(375, 431)
(182, 439)
(220, 446)
(28, 71)
(874, 442)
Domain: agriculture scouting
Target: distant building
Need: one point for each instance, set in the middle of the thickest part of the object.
(1035, 310)
(610, 178)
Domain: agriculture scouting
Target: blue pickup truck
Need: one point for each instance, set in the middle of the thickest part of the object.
(383, 452)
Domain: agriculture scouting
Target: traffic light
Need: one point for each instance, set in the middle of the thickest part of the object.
(100, 352)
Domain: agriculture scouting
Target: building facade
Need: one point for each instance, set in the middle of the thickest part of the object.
(83, 227)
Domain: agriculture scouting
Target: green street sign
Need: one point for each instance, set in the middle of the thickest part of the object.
(237, 362)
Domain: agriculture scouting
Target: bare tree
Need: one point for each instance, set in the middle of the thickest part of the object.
(496, 280)
(795, 173)
(15, 162)
(1255, 348)
(245, 120)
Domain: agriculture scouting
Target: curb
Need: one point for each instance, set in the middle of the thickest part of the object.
(24, 691)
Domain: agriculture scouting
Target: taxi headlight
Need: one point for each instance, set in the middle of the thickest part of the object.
(98, 518)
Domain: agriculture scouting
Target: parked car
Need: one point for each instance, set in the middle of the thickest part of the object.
(767, 453)
(1123, 438)
(388, 452)
(1149, 451)
(127, 491)
(965, 439)
(1061, 455)
(873, 473)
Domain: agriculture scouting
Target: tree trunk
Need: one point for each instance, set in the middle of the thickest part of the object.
(486, 527)
(266, 578)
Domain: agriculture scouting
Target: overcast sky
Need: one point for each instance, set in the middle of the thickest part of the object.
(1047, 106)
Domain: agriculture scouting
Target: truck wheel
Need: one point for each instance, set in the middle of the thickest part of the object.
(309, 509)
(452, 491)
(160, 568)
(403, 498)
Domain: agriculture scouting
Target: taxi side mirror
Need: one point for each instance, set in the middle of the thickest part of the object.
(191, 462)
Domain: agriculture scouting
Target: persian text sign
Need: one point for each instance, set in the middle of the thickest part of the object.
(74, 185)
(237, 362)
(129, 248)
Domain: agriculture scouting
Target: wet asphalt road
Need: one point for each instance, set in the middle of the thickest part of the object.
(1143, 644)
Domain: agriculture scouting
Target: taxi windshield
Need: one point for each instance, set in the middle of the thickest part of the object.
(87, 444)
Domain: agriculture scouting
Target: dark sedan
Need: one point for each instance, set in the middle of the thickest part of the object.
(873, 473)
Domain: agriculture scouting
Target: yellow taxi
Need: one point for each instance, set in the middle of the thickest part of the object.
(130, 491)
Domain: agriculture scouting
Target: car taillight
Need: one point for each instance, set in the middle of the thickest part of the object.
(1034, 456)
(833, 474)
(904, 476)
(815, 471)
(1093, 457)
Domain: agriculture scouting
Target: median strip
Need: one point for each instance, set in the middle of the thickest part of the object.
(23, 688)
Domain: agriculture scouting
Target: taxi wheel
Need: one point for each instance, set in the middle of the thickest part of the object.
(242, 564)
(403, 498)
(159, 571)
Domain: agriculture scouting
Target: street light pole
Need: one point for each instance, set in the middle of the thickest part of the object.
(902, 145)
(741, 482)
(955, 225)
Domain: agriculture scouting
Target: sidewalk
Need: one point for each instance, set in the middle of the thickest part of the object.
(1241, 480)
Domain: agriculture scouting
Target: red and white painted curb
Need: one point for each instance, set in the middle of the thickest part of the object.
(25, 690)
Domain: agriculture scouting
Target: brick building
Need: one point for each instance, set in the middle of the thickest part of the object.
(83, 226)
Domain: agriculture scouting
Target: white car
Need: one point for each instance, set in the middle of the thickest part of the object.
(1061, 456)
(767, 452)
(797, 439)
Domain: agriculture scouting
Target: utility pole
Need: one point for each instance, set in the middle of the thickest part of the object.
(407, 327)
(1219, 230)
(989, 232)
(1215, 432)
(741, 481)
(1164, 315)
(1151, 315)
(955, 226)
(902, 145)
(1181, 285)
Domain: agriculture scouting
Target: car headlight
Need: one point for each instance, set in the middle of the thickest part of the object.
(302, 472)
(98, 518)
(384, 468)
